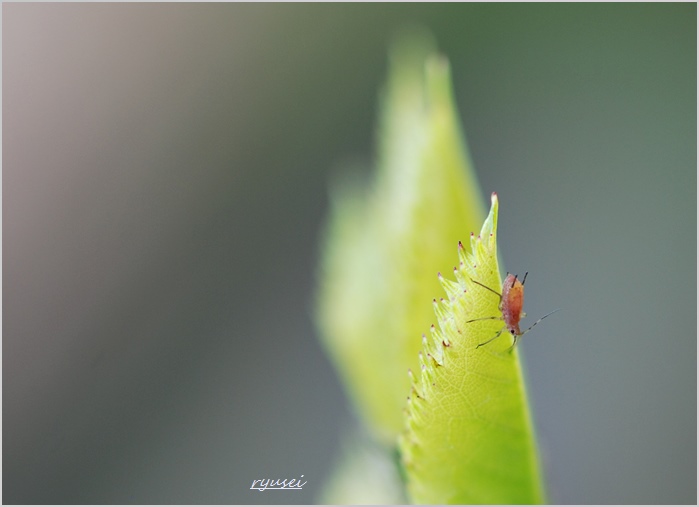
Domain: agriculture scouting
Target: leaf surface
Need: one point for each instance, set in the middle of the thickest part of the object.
(468, 437)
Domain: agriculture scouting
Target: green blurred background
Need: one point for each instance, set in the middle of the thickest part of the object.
(164, 184)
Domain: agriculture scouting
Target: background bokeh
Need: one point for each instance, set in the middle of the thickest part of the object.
(164, 186)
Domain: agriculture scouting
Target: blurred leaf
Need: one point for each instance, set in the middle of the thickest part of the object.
(384, 246)
(469, 438)
(365, 475)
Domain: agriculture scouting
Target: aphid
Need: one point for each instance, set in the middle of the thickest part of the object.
(511, 303)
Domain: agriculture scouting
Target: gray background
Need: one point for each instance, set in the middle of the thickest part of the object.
(164, 184)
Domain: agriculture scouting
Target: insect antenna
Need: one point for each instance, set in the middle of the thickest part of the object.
(542, 318)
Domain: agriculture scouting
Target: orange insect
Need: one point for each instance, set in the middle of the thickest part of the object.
(511, 303)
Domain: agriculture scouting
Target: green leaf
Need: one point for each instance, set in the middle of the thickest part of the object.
(384, 245)
(469, 437)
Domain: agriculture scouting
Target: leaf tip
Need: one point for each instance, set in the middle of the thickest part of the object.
(490, 226)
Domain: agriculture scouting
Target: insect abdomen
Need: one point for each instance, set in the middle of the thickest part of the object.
(512, 302)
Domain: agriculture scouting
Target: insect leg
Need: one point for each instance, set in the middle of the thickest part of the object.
(487, 342)
(484, 318)
(514, 342)
(486, 287)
